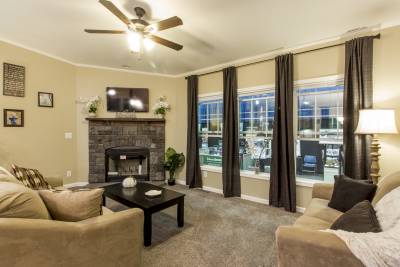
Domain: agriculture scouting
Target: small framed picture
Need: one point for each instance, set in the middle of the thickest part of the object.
(45, 99)
(13, 118)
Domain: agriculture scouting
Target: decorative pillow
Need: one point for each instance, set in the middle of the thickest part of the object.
(347, 192)
(31, 178)
(18, 201)
(73, 205)
(6, 176)
(359, 219)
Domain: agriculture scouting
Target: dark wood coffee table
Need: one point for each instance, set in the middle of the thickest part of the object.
(135, 198)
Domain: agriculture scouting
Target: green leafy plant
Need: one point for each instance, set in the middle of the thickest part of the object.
(173, 161)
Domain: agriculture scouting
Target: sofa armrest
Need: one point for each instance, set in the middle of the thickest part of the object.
(109, 240)
(54, 181)
(322, 190)
(303, 247)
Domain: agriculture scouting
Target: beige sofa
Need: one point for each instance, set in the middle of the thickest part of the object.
(303, 245)
(113, 239)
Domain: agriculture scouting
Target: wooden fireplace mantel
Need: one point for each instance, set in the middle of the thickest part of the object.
(126, 119)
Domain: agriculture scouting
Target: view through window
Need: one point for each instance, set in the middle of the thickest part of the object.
(319, 130)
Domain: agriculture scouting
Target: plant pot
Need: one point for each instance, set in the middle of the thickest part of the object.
(92, 114)
(160, 116)
(171, 182)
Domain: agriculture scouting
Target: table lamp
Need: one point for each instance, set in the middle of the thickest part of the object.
(374, 122)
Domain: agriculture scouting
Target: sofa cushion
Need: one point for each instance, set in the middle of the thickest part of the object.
(18, 201)
(4, 172)
(31, 178)
(318, 208)
(359, 219)
(347, 192)
(73, 205)
(312, 223)
(385, 185)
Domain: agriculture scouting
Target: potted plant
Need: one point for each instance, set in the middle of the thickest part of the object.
(161, 107)
(92, 106)
(173, 161)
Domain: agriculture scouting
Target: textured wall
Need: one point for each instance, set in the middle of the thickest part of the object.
(107, 134)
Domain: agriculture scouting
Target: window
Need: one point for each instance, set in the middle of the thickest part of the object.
(319, 126)
(256, 116)
(210, 132)
(319, 132)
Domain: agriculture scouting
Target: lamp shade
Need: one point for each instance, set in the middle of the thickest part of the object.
(376, 121)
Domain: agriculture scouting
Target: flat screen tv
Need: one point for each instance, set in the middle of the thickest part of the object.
(121, 99)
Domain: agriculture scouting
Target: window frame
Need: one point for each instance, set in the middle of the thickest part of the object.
(323, 81)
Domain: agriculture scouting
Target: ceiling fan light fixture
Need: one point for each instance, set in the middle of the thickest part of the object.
(148, 43)
(134, 40)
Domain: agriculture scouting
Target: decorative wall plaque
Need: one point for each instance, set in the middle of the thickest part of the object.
(13, 80)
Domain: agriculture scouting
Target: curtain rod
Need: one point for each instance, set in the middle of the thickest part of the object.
(378, 36)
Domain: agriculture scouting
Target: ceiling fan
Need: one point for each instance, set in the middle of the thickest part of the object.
(140, 31)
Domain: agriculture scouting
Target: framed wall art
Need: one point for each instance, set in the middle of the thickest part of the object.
(13, 118)
(45, 100)
(13, 80)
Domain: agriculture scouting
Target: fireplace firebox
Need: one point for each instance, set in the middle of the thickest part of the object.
(124, 161)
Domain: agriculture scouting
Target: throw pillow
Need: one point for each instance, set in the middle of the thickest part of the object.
(31, 178)
(73, 205)
(347, 192)
(18, 201)
(359, 219)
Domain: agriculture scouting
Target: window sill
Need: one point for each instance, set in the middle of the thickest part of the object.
(249, 174)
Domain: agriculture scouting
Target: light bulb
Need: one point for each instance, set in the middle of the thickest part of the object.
(134, 41)
(111, 92)
(148, 43)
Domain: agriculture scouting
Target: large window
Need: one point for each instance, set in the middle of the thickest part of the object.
(319, 126)
(319, 132)
(210, 131)
(256, 116)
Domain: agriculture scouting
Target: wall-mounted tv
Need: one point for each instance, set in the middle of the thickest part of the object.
(121, 99)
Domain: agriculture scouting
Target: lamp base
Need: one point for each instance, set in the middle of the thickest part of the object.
(374, 171)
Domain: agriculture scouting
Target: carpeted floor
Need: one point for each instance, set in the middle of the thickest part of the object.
(217, 232)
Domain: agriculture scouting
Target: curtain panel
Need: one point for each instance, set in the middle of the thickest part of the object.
(282, 191)
(230, 136)
(357, 95)
(193, 171)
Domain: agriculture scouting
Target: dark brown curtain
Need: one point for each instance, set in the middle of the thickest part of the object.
(282, 192)
(357, 95)
(193, 172)
(230, 136)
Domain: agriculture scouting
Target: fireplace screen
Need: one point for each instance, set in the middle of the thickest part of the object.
(122, 162)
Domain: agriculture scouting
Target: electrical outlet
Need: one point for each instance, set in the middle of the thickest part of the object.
(68, 135)
(204, 174)
(69, 173)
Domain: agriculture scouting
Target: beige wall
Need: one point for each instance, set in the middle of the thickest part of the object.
(316, 64)
(91, 82)
(41, 143)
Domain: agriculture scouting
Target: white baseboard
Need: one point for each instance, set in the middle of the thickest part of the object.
(213, 190)
(255, 199)
(75, 184)
(245, 197)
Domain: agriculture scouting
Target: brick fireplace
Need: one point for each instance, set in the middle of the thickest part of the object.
(105, 133)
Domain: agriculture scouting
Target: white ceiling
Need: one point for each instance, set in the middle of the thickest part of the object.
(214, 31)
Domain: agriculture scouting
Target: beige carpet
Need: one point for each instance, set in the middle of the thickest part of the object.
(217, 232)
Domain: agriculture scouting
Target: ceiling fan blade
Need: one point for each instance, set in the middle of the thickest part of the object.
(110, 6)
(104, 31)
(163, 25)
(165, 42)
